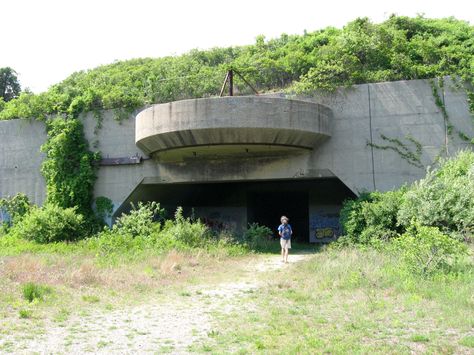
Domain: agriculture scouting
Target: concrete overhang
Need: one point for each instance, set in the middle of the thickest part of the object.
(240, 121)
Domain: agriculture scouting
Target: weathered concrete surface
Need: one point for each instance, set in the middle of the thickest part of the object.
(232, 120)
(20, 159)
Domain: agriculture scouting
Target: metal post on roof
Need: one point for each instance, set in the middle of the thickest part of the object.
(223, 84)
(231, 82)
(229, 78)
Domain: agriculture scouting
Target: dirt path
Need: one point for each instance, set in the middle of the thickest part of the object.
(170, 325)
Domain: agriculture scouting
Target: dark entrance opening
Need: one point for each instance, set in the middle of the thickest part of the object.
(312, 205)
(266, 208)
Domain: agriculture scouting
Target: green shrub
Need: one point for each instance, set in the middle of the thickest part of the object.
(139, 222)
(132, 233)
(50, 223)
(257, 236)
(15, 207)
(25, 313)
(444, 199)
(372, 216)
(32, 291)
(185, 231)
(425, 250)
(137, 232)
(69, 168)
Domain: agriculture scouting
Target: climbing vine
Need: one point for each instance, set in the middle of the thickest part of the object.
(69, 167)
(450, 128)
(413, 158)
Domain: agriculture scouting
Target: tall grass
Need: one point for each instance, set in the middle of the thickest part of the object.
(352, 300)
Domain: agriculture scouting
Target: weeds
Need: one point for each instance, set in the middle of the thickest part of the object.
(32, 291)
(25, 313)
(90, 298)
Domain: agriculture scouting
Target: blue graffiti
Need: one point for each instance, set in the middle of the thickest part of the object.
(325, 226)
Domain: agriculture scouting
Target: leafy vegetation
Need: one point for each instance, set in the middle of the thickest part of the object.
(443, 199)
(104, 208)
(361, 52)
(32, 291)
(143, 231)
(372, 216)
(425, 223)
(15, 208)
(9, 86)
(257, 236)
(49, 224)
(68, 168)
(425, 250)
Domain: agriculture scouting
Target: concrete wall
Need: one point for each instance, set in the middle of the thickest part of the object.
(401, 109)
(360, 114)
(20, 159)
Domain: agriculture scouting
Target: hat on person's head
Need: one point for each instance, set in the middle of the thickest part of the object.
(284, 218)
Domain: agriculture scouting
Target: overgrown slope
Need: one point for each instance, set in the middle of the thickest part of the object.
(361, 52)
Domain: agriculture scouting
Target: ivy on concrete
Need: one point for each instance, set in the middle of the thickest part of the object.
(405, 152)
(450, 128)
(69, 167)
(104, 208)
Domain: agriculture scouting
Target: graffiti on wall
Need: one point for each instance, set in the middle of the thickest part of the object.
(324, 226)
(217, 221)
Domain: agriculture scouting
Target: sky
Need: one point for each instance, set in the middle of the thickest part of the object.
(47, 40)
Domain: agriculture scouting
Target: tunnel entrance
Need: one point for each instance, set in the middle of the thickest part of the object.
(266, 208)
(312, 205)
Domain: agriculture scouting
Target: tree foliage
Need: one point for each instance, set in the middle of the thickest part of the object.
(9, 85)
(361, 52)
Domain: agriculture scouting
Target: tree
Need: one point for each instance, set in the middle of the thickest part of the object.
(9, 85)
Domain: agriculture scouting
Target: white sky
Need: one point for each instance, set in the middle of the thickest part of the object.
(47, 40)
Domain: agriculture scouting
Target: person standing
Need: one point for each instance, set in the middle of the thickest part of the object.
(285, 232)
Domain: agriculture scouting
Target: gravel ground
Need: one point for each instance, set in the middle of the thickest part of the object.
(171, 325)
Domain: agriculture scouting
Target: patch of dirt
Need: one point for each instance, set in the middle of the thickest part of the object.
(171, 324)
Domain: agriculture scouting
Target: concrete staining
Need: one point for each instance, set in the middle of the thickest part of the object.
(237, 160)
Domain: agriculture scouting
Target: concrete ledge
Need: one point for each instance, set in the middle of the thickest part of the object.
(232, 120)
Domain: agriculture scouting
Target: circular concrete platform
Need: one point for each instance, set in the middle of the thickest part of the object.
(242, 120)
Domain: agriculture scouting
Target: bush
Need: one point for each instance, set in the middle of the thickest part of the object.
(257, 236)
(32, 291)
(444, 199)
(15, 207)
(426, 250)
(50, 223)
(185, 231)
(137, 232)
(139, 222)
(25, 313)
(372, 216)
(132, 233)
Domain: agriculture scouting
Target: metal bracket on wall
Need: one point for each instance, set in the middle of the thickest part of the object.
(132, 160)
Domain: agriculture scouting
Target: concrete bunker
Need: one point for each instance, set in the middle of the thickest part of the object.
(312, 204)
(228, 162)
